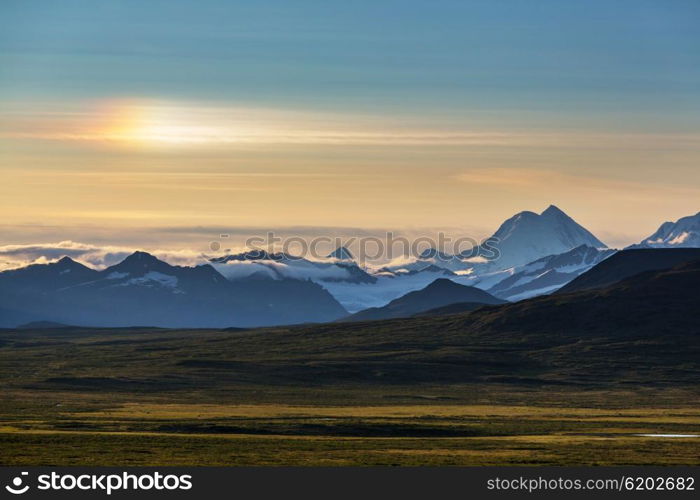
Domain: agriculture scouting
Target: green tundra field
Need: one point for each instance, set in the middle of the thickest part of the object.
(334, 395)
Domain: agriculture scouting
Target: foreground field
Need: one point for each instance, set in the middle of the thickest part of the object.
(432, 434)
(340, 396)
(245, 450)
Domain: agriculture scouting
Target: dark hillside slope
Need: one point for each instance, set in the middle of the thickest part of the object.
(627, 263)
(641, 330)
(439, 293)
(640, 333)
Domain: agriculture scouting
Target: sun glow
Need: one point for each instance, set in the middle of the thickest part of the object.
(165, 125)
(142, 124)
(153, 124)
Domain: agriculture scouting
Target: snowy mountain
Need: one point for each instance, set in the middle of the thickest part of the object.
(684, 233)
(539, 253)
(351, 285)
(278, 266)
(429, 260)
(545, 275)
(142, 290)
(524, 239)
(527, 236)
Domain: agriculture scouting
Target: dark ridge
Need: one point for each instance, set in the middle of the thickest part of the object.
(627, 263)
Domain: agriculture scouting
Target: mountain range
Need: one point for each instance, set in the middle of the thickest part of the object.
(540, 254)
(282, 266)
(520, 240)
(639, 332)
(544, 275)
(642, 330)
(142, 290)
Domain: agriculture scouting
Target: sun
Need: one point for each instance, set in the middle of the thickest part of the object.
(139, 123)
(120, 120)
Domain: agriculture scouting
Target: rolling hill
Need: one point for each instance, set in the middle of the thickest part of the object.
(440, 292)
(640, 332)
(627, 263)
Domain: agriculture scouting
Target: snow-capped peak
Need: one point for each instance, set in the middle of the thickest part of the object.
(527, 236)
(684, 233)
(138, 264)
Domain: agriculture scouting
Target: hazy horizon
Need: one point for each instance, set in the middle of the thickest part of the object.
(161, 124)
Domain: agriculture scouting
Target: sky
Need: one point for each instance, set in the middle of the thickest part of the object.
(166, 123)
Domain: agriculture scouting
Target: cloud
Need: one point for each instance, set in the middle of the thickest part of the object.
(291, 137)
(98, 257)
(138, 123)
(296, 269)
(157, 124)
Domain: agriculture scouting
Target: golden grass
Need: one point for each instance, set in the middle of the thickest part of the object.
(77, 432)
(208, 411)
(156, 449)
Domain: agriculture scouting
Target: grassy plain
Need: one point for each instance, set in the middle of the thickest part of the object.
(348, 395)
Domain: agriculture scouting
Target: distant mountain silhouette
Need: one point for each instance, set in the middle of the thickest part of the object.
(440, 292)
(47, 277)
(139, 263)
(341, 253)
(42, 325)
(627, 263)
(142, 290)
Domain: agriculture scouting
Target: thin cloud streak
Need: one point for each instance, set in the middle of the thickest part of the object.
(145, 124)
